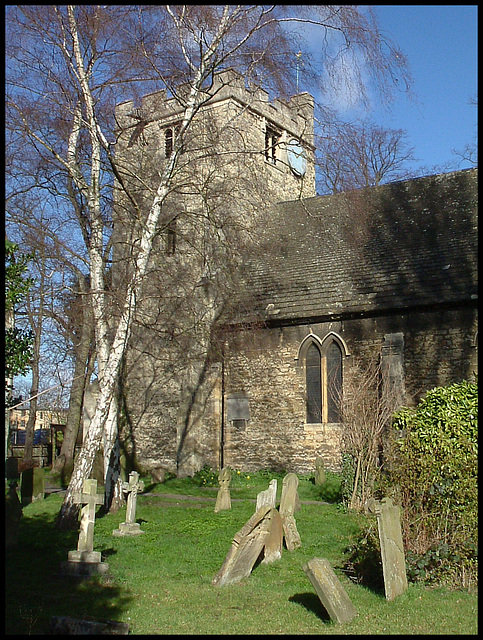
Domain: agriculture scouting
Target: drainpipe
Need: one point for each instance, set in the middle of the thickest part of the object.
(222, 426)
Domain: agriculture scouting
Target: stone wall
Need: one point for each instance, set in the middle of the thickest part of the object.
(262, 365)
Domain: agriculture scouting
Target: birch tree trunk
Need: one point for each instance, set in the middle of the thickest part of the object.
(113, 355)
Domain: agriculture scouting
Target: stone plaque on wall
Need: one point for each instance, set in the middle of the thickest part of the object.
(237, 407)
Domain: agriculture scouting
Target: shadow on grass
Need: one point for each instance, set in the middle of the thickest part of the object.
(312, 603)
(35, 590)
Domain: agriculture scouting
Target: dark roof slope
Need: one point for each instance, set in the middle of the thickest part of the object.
(390, 247)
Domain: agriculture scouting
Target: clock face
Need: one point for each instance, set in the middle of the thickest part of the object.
(296, 157)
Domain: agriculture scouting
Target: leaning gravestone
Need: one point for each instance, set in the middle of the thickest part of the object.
(223, 499)
(268, 497)
(288, 504)
(85, 561)
(65, 626)
(262, 534)
(392, 550)
(130, 527)
(330, 591)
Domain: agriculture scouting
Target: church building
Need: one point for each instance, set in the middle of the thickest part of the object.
(264, 302)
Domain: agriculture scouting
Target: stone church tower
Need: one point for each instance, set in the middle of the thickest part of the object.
(242, 154)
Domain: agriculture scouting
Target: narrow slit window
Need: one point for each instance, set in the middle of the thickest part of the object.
(171, 238)
(272, 138)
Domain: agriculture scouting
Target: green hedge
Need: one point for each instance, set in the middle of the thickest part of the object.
(435, 472)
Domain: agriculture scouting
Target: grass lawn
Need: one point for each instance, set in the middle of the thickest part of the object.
(160, 582)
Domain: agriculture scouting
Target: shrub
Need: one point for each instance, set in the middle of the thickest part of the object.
(434, 471)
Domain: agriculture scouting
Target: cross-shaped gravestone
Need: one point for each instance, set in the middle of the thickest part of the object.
(223, 499)
(84, 561)
(131, 527)
(90, 498)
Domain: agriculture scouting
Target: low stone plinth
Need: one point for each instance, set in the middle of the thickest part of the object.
(128, 529)
(81, 569)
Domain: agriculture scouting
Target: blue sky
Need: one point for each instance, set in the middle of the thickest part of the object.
(440, 43)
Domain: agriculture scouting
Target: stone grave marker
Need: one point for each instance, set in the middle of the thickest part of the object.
(130, 527)
(65, 626)
(269, 496)
(13, 514)
(158, 475)
(288, 505)
(274, 541)
(320, 476)
(223, 499)
(330, 591)
(392, 550)
(84, 560)
(32, 485)
(260, 535)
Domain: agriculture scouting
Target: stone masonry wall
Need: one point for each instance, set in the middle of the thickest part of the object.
(438, 350)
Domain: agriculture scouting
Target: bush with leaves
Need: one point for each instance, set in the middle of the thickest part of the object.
(434, 473)
(18, 342)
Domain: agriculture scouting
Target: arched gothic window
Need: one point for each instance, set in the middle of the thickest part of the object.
(323, 376)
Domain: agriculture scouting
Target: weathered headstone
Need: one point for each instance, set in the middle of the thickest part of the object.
(11, 469)
(288, 505)
(13, 513)
(330, 591)
(320, 476)
(84, 560)
(392, 549)
(158, 475)
(32, 485)
(274, 541)
(223, 499)
(65, 626)
(130, 527)
(248, 545)
(268, 497)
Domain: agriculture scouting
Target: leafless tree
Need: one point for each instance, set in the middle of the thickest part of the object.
(362, 154)
(67, 65)
(367, 407)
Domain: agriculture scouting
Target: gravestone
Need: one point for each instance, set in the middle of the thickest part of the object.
(320, 476)
(223, 499)
(11, 469)
(274, 541)
(392, 550)
(130, 527)
(158, 475)
(288, 505)
(65, 626)
(13, 513)
(32, 485)
(330, 591)
(268, 497)
(85, 561)
(262, 530)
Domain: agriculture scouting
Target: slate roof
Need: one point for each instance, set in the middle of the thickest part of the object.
(392, 247)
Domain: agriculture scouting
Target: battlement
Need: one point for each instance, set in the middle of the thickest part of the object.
(295, 115)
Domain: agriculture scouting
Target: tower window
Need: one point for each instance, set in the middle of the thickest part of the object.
(170, 135)
(171, 238)
(272, 138)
